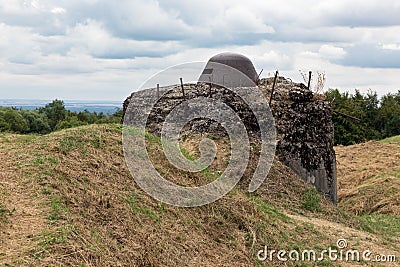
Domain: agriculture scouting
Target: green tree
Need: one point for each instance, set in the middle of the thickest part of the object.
(37, 122)
(88, 117)
(380, 118)
(15, 121)
(71, 122)
(55, 112)
(389, 114)
(347, 130)
(4, 126)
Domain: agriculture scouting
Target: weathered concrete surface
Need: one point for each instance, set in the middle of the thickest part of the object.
(305, 134)
(303, 124)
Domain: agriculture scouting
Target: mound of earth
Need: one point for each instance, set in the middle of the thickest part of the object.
(68, 199)
(369, 177)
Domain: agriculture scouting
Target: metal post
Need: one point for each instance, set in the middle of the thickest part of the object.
(309, 79)
(158, 91)
(258, 77)
(273, 88)
(183, 89)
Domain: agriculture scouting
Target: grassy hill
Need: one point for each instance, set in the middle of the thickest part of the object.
(67, 198)
(369, 177)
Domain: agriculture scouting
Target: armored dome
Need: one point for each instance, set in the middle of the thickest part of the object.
(230, 69)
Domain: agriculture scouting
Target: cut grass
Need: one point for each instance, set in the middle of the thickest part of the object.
(50, 238)
(268, 209)
(368, 178)
(387, 226)
(98, 216)
(57, 207)
(139, 210)
(311, 200)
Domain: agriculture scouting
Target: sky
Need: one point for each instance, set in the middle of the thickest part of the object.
(104, 50)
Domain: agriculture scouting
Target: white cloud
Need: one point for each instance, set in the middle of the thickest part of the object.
(109, 45)
(237, 20)
(391, 46)
(331, 52)
(58, 10)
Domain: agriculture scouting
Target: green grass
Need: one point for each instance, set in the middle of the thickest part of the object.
(139, 210)
(187, 154)
(47, 240)
(45, 160)
(50, 238)
(268, 209)
(68, 143)
(396, 174)
(387, 226)
(80, 138)
(393, 139)
(152, 138)
(311, 200)
(57, 207)
(268, 222)
(210, 175)
(96, 140)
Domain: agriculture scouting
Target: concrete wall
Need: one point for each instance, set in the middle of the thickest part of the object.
(303, 123)
(305, 134)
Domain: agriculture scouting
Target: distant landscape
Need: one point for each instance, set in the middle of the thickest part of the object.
(42, 117)
(357, 117)
(107, 107)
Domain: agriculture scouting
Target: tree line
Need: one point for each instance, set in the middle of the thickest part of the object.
(52, 117)
(379, 118)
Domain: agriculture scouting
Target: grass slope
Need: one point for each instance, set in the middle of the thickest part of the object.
(393, 139)
(369, 177)
(67, 198)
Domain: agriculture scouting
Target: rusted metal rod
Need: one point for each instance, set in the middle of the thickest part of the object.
(309, 79)
(183, 89)
(273, 87)
(258, 77)
(158, 90)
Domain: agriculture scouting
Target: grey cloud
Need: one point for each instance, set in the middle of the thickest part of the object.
(41, 21)
(218, 39)
(370, 56)
(361, 13)
(139, 20)
(71, 37)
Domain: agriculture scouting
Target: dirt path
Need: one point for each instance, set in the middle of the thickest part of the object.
(355, 239)
(26, 217)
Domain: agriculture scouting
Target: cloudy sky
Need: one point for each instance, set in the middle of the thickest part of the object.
(103, 50)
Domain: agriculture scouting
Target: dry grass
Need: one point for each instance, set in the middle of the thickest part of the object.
(369, 178)
(89, 212)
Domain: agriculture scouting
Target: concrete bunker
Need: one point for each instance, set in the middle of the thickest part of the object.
(303, 121)
(215, 71)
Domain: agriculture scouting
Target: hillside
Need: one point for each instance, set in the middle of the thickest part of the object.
(369, 177)
(67, 198)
